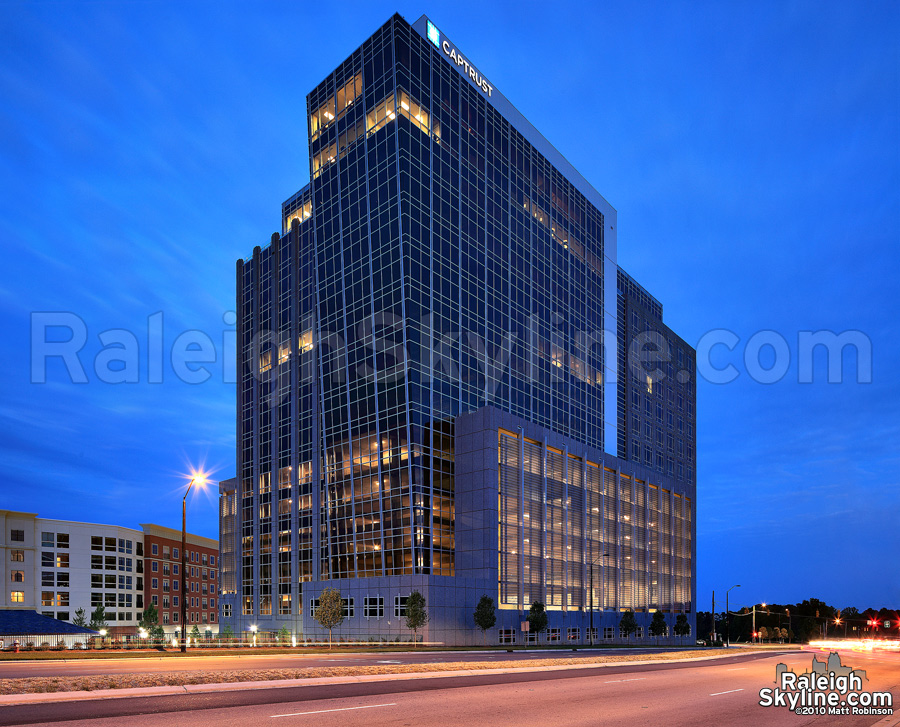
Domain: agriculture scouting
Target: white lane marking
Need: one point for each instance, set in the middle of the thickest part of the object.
(737, 668)
(616, 681)
(342, 709)
(388, 662)
(728, 692)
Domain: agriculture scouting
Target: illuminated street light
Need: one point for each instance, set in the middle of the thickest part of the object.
(200, 479)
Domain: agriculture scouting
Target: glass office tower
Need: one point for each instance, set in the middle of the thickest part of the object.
(441, 319)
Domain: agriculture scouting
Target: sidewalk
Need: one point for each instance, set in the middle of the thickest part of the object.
(20, 699)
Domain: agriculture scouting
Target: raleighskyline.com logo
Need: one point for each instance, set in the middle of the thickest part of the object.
(828, 688)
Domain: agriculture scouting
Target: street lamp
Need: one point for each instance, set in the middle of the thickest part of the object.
(591, 627)
(253, 629)
(755, 634)
(199, 479)
(728, 617)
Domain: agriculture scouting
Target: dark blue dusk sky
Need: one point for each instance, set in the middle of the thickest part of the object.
(752, 151)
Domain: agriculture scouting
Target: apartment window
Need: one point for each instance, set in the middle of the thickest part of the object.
(47, 540)
(96, 542)
(212, 560)
(313, 605)
(109, 600)
(17, 597)
(226, 610)
(165, 551)
(62, 580)
(110, 581)
(17, 556)
(165, 618)
(97, 562)
(62, 540)
(109, 545)
(166, 569)
(96, 599)
(154, 566)
(47, 560)
(608, 632)
(573, 634)
(154, 549)
(165, 602)
(592, 634)
(553, 634)
(204, 559)
(139, 548)
(62, 560)
(96, 581)
(507, 636)
(400, 606)
(175, 569)
(165, 586)
(17, 536)
(154, 582)
(175, 553)
(62, 598)
(46, 598)
(348, 607)
(373, 607)
(175, 585)
(154, 599)
(48, 578)
(110, 561)
(175, 601)
(212, 602)
(175, 617)
(62, 615)
(17, 576)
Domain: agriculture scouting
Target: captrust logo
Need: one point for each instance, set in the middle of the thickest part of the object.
(434, 35)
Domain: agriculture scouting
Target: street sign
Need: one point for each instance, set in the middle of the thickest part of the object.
(887, 624)
(526, 626)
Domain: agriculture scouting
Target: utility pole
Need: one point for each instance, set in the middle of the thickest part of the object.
(714, 618)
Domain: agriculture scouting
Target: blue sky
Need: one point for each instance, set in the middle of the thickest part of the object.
(752, 151)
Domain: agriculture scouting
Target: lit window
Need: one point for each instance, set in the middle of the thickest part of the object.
(17, 597)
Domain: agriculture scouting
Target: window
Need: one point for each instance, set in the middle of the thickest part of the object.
(47, 540)
(154, 599)
(62, 615)
(175, 585)
(175, 553)
(165, 551)
(165, 586)
(175, 569)
(46, 598)
(47, 578)
(507, 636)
(97, 562)
(154, 566)
(226, 610)
(313, 605)
(17, 536)
(608, 632)
(592, 634)
(139, 548)
(96, 581)
(110, 581)
(96, 599)
(204, 559)
(110, 561)
(109, 600)
(400, 606)
(175, 617)
(17, 576)
(212, 602)
(212, 560)
(166, 569)
(165, 617)
(62, 580)
(17, 597)
(96, 542)
(573, 634)
(165, 602)
(154, 582)
(348, 607)
(62, 560)
(62, 598)
(17, 556)
(154, 549)
(47, 560)
(373, 607)
(553, 634)
(109, 545)
(175, 600)
(62, 540)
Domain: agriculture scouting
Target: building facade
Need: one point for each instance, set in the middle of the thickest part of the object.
(438, 361)
(55, 567)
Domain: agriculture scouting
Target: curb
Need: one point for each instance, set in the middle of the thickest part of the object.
(44, 697)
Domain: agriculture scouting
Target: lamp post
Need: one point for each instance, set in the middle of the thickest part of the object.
(728, 617)
(199, 479)
(754, 621)
(591, 627)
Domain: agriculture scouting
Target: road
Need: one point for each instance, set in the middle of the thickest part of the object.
(720, 692)
(294, 660)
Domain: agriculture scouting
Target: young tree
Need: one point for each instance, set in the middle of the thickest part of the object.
(98, 619)
(537, 618)
(330, 612)
(682, 627)
(658, 626)
(485, 616)
(416, 615)
(195, 634)
(150, 618)
(226, 634)
(284, 635)
(80, 618)
(763, 634)
(628, 624)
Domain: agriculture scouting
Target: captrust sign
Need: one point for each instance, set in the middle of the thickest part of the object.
(456, 57)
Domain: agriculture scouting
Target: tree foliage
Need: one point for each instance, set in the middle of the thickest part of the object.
(658, 626)
(628, 624)
(485, 615)
(416, 615)
(682, 627)
(80, 618)
(537, 617)
(330, 612)
(98, 619)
